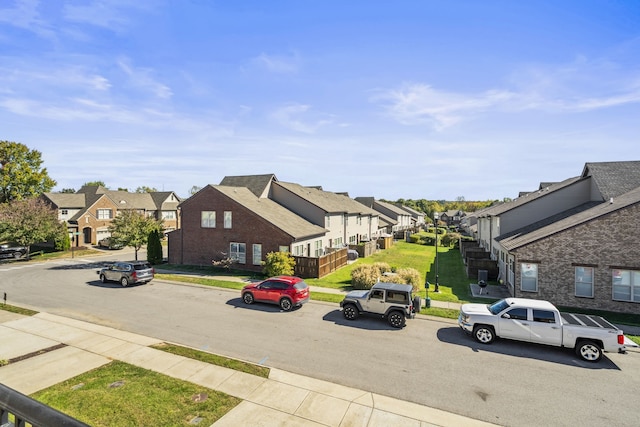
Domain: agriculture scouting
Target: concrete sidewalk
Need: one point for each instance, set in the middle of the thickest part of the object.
(57, 348)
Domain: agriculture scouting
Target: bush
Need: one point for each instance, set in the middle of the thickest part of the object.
(450, 238)
(154, 248)
(365, 276)
(279, 263)
(409, 276)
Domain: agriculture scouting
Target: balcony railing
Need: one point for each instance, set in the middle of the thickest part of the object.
(18, 410)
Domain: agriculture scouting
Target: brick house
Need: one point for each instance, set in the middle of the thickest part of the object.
(89, 211)
(223, 221)
(572, 242)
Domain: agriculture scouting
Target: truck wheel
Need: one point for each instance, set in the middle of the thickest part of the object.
(483, 334)
(350, 312)
(396, 319)
(589, 351)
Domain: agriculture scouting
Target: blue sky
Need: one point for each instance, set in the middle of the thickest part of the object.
(390, 99)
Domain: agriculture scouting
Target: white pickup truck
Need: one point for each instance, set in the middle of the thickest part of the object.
(541, 322)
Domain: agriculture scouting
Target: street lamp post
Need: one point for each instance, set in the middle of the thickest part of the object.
(435, 220)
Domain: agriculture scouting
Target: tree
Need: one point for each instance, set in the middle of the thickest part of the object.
(63, 242)
(145, 189)
(154, 248)
(94, 184)
(194, 190)
(21, 175)
(131, 228)
(279, 263)
(29, 221)
(68, 190)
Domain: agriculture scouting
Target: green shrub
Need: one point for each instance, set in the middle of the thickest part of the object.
(364, 276)
(409, 276)
(279, 263)
(450, 238)
(154, 248)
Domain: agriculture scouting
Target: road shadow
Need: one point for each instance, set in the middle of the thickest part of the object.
(115, 285)
(563, 356)
(370, 323)
(83, 266)
(259, 306)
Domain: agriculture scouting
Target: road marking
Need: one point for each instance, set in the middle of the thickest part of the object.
(264, 359)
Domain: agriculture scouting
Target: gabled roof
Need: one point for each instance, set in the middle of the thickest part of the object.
(272, 212)
(507, 206)
(390, 206)
(568, 219)
(162, 202)
(257, 184)
(326, 200)
(411, 211)
(66, 200)
(613, 178)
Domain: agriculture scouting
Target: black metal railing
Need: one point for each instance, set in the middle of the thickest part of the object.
(18, 410)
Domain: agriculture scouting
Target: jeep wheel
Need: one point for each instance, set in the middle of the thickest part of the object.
(247, 298)
(285, 304)
(483, 334)
(396, 319)
(350, 312)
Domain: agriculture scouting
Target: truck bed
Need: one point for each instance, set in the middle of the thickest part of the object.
(586, 320)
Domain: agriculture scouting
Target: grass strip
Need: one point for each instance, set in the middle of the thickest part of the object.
(122, 395)
(214, 359)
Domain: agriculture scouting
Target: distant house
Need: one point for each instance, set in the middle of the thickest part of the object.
(417, 217)
(89, 211)
(267, 215)
(399, 218)
(572, 242)
(452, 217)
(221, 221)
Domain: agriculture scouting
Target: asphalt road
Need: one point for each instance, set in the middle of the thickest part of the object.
(430, 361)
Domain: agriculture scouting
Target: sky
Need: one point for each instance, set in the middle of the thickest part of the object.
(424, 99)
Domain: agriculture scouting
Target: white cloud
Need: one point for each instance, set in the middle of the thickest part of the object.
(141, 78)
(25, 15)
(289, 116)
(278, 63)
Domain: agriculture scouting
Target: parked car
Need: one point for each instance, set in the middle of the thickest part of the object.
(11, 250)
(127, 273)
(541, 322)
(285, 291)
(109, 243)
(392, 301)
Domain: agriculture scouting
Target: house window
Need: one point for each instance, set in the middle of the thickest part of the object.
(105, 214)
(168, 214)
(283, 249)
(298, 250)
(64, 211)
(257, 254)
(626, 285)
(529, 277)
(327, 220)
(227, 219)
(318, 248)
(584, 282)
(208, 219)
(238, 252)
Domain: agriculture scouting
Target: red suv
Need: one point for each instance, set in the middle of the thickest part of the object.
(286, 291)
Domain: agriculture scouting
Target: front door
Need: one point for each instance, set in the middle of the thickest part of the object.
(375, 302)
(514, 324)
(87, 235)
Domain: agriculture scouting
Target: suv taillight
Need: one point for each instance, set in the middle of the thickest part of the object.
(134, 275)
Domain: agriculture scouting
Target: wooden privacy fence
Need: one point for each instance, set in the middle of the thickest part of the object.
(320, 267)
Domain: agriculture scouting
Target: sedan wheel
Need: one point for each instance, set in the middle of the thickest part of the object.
(350, 312)
(103, 279)
(285, 304)
(396, 319)
(124, 282)
(247, 298)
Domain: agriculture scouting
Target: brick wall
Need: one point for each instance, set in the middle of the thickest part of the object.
(609, 241)
(194, 245)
